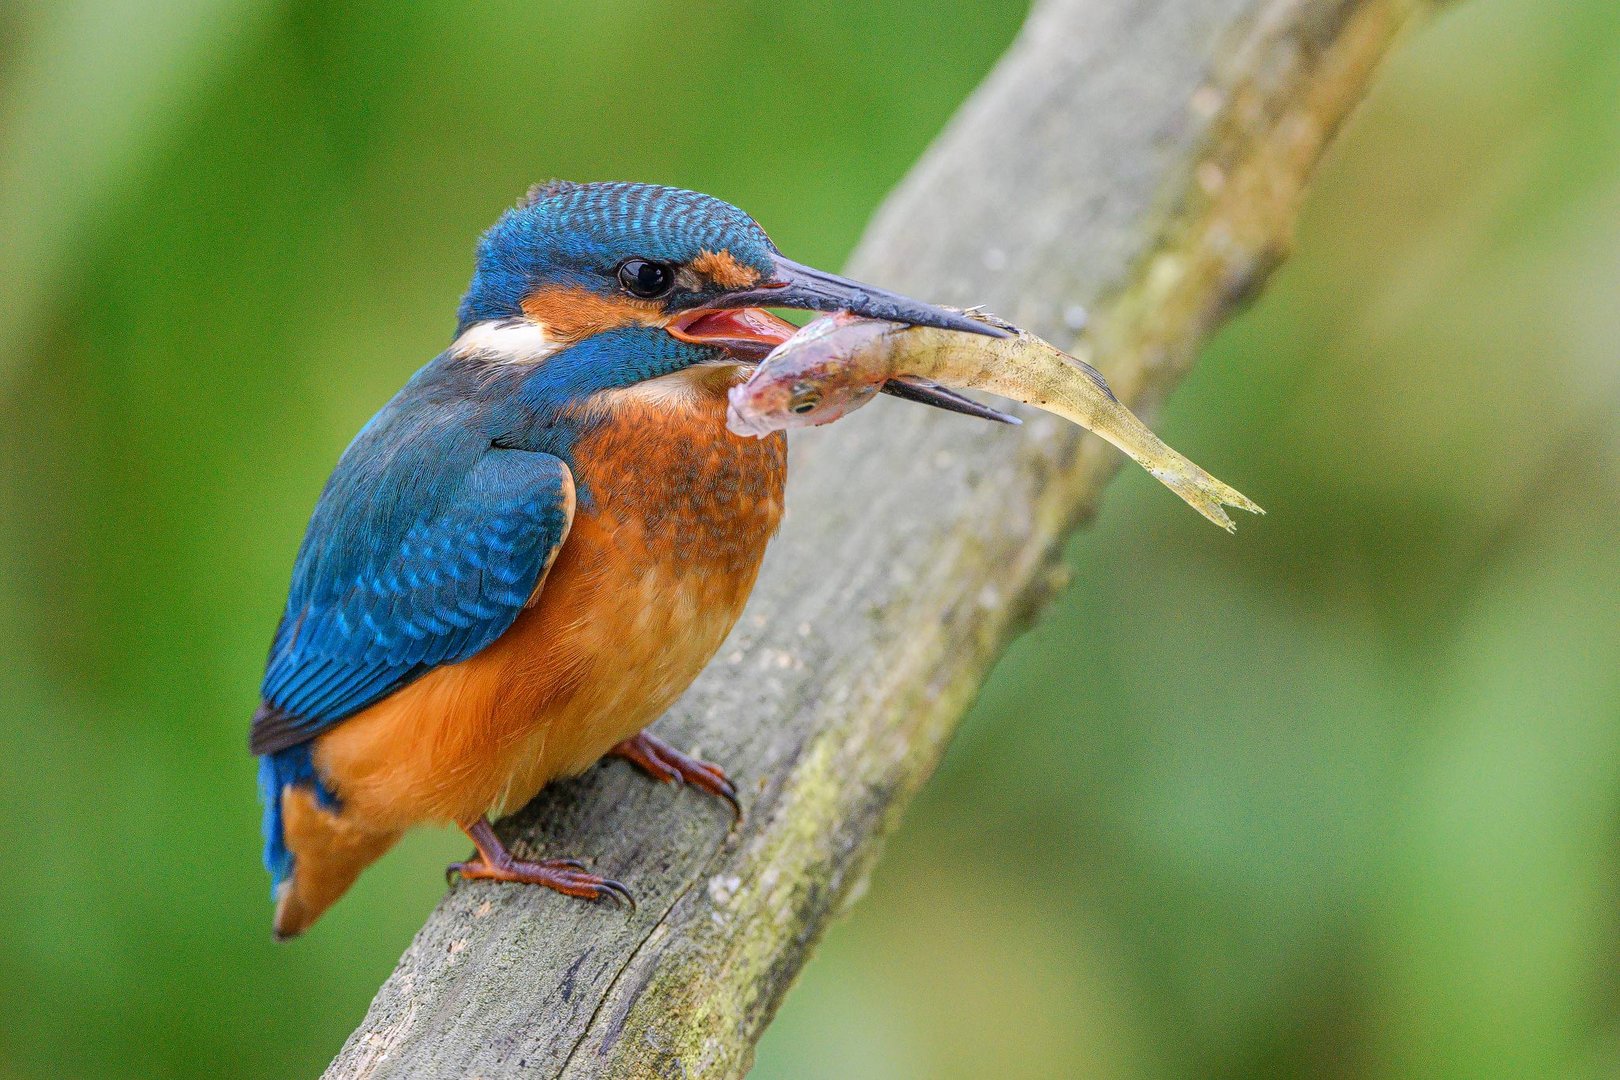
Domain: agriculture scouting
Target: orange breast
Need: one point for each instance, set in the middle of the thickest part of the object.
(652, 577)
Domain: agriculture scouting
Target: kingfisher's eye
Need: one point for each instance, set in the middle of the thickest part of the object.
(646, 279)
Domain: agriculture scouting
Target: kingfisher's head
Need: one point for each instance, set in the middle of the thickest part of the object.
(652, 272)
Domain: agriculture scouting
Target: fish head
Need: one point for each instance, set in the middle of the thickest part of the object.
(827, 370)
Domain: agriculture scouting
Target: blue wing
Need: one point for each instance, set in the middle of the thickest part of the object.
(423, 550)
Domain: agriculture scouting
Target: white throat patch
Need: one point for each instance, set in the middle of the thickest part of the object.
(505, 341)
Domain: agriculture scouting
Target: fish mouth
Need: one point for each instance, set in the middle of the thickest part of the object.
(746, 424)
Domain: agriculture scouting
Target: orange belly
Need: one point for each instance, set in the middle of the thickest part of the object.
(653, 575)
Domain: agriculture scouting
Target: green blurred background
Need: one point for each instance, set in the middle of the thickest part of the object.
(1382, 844)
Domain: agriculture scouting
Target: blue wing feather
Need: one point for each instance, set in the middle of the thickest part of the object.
(424, 548)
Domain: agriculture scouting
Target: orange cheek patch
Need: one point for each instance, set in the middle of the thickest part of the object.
(725, 271)
(570, 315)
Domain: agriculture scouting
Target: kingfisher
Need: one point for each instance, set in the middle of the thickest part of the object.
(537, 544)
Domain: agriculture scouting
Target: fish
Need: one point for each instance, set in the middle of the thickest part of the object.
(839, 362)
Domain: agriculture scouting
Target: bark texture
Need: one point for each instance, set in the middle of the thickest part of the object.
(1138, 159)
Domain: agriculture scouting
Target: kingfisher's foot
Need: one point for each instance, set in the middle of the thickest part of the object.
(663, 762)
(567, 876)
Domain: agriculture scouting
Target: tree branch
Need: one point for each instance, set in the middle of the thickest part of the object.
(1144, 158)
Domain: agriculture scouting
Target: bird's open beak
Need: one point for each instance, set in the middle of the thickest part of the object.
(734, 322)
(747, 333)
(793, 285)
(940, 397)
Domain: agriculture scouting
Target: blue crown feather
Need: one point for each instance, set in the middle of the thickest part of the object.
(575, 235)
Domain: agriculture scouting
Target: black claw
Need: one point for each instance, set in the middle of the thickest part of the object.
(725, 789)
(572, 864)
(617, 892)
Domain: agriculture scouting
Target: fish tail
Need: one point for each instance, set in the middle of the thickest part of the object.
(1203, 492)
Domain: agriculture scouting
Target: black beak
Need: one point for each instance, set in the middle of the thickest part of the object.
(808, 289)
(931, 393)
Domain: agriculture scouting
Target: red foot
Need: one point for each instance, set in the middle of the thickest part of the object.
(663, 762)
(567, 876)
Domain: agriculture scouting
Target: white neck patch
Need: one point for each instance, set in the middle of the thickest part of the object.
(505, 341)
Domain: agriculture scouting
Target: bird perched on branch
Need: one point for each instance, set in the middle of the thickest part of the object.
(532, 550)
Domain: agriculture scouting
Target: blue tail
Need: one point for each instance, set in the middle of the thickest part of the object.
(294, 765)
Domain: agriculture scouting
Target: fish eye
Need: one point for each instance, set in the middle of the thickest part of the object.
(803, 400)
(645, 278)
